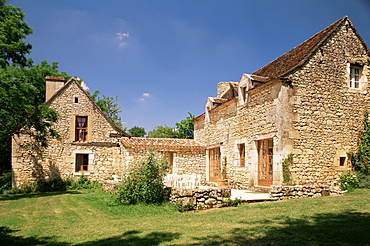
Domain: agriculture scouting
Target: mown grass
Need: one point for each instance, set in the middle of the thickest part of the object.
(91, 217)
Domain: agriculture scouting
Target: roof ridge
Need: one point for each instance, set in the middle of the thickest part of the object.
(299, 54)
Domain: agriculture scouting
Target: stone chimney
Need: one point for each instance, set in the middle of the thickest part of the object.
(53, 84)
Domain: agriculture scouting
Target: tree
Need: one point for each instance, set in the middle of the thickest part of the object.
(22, 93)
(109, 106)
(185, 128)
(13, 29)
(137, 131)
(163, 132)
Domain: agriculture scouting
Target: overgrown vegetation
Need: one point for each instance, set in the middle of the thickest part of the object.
(47, 185)
(287, 174)
(348, 181)
(144, 183)
(361, 159)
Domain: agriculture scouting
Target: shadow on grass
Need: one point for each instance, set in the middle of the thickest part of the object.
(347, 228)
(127, 238)
(33, 195)
(132, 238)
(7, 239)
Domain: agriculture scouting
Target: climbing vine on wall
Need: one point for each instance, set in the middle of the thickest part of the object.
(361, 159)
(287, 174)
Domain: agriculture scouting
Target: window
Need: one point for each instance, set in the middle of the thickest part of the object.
(342, 161)
(169, 158)
(241, 148)
(82, 162)
(76, 99)
(81, 128)
(355, 76)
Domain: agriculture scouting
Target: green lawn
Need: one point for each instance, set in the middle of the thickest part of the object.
(90, 217)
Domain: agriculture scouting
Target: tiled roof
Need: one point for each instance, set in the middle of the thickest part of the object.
(162, 143)
(298, 55)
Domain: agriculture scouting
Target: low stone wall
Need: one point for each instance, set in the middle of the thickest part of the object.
(201, 198)
(303, 191)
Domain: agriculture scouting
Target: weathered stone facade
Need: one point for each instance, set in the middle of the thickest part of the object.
(301, 103)
(100, 151)
(59, 158)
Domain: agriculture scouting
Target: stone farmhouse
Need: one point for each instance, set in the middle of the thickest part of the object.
(91, 144)
(308, 102)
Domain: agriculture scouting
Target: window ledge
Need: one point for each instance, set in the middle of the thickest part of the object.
(81, 173)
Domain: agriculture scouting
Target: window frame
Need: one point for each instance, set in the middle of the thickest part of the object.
(81, 131)
(82, 163)
(241, 151)
(353, 82)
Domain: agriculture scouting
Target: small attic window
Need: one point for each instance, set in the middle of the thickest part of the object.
(76, 99)
(355, 76)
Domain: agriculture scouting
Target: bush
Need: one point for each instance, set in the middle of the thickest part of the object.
(144, 183)
(364, 180)
(5, 182)
(348, 181)
(81, 183)
(51, 185)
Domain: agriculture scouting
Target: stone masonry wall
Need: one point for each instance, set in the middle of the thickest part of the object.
(201, 198)
(327, 113)
(232, 124)
(58, 159)
(303, 191)
(313, 114)
(184, 161)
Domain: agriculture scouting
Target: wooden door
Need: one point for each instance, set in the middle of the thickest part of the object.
(214, 156)
(265, 162)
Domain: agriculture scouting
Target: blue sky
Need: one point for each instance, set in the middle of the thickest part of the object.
(164, 58)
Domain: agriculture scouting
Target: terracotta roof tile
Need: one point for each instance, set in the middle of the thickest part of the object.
(298, 55)
(162, 143)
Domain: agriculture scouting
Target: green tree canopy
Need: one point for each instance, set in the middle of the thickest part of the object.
(137, 131)
(13, 29)
(109, 106)
(185, 128)
(163, 132)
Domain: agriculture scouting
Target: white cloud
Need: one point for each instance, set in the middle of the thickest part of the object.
(121, 37)
(84, 86)
(144, 95)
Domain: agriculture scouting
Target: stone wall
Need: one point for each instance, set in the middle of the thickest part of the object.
(58, 160)
(201, 198)
(328, 114)
(313, 114)
(303, 191)
(184, 161)
(232, 124)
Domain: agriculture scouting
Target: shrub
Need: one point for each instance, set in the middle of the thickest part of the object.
(185, 207)
(5, 182)
(82, 183)
(287, 174)
(348, 181)
(144, 182)
(361, 159)
(364, 180)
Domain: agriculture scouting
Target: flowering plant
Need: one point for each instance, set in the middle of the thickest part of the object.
(348, 181)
